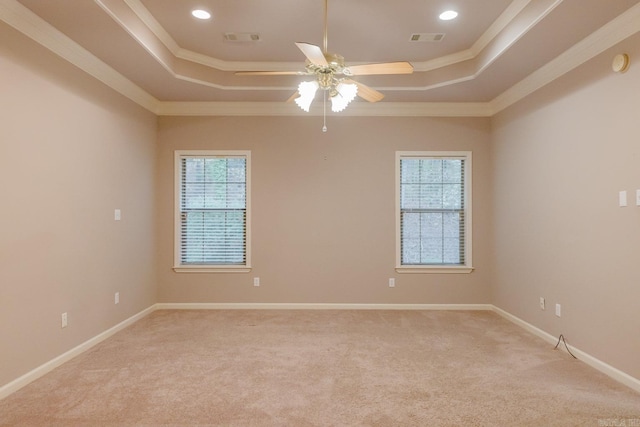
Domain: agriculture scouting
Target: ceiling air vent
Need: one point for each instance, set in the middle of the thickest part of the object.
(426, 37)
(241, 37)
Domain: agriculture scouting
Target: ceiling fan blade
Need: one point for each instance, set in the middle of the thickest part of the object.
(365, 92)
(294, 96)
(381, 68)
(313, 54)
(269, 73)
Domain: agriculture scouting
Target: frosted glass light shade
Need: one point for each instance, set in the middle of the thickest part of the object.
(307, 91)
(346, 93)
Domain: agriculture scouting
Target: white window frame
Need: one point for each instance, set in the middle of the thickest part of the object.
(467, 267)
(209, 268)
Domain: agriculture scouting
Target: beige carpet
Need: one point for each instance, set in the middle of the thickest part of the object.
(322, 368)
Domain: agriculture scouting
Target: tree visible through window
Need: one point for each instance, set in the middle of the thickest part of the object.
(213, 200)
(433, 210)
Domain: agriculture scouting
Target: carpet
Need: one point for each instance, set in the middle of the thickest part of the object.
(322, 368)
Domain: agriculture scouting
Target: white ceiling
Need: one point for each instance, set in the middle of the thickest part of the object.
(168, 57)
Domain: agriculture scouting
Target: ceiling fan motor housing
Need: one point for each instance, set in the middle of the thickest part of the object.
(327, 74)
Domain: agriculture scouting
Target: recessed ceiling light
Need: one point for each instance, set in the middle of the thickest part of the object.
(201, 14)
(448, 15)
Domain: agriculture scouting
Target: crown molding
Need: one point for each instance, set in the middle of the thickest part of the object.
(147, 18)
(381, 109)
(165, 38)
(199, 58)
(22, 19)
(490, 34)
(31, 25)
(515, 21)
(143, 14)
(499, 25)
(605, 37)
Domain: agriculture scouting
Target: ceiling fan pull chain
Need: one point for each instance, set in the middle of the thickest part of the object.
(324, 111)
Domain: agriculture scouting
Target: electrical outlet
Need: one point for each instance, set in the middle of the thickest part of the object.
(256, 281)
(116, 298)
(558, 310)
(64, 320)
(542, 305)
(392, 282)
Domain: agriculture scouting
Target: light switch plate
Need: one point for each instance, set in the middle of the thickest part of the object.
(637, 197)
(622, 198)
(117, 215)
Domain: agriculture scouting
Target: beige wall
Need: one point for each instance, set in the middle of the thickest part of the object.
(546, 222)
(560, 158)
(71, 151)
(323, 209)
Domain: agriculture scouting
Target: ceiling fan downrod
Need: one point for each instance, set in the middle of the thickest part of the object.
(325, 40)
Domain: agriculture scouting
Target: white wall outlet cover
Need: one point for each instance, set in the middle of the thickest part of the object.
(392, 282)
(622, 198)
(558, 310)
(637, 197)
(256, 281)
(117, 215)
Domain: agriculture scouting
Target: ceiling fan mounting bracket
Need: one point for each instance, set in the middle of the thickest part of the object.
(335, 65)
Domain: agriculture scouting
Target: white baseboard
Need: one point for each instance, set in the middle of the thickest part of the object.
(47, 367)
(601, 366)
(317, 306)
(528, 326)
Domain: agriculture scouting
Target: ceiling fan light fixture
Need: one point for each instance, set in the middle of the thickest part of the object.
(345, 93)
(307, 91)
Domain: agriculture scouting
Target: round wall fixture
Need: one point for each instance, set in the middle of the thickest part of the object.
(620, 63)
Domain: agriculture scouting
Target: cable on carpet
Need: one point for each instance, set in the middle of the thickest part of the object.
(561, 337)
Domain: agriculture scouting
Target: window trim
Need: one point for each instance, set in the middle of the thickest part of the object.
(468, 266)
(211, 268)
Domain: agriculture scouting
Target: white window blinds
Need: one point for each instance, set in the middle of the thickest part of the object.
(213, 210)
(432, 211)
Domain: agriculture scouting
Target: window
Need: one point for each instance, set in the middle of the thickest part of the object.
(433, 209)
(212, 211)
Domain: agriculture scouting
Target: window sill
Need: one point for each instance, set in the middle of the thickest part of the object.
(211, 269)
(435, 269)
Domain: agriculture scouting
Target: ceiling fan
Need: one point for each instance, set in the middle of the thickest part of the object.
(333, 76)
